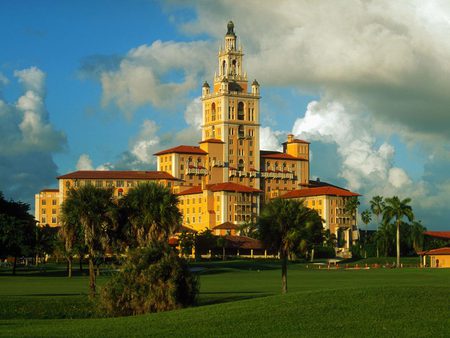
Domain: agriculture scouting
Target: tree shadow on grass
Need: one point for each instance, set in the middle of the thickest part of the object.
(209, 298)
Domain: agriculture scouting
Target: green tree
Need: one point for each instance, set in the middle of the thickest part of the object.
(96, 211)
(46, 238)
(222, 243)
(152, 213)
(351, 208)
(377, 205)
(248, 229)
(153, 279)
(186, 241)
(416, 235)
(287, 225)
(17, 230)
(366, 217)
(397, 209)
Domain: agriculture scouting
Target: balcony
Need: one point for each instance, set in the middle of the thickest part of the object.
(196, 170)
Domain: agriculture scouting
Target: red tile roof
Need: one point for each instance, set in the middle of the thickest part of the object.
(49, 190)
(212, 140)
(278, 155)
(320, 191)
(440, 251)
(243, 242)
(229, 186)
(226, 226)
(118, 174)
(438, 234)
(191, 191)
(182, 150)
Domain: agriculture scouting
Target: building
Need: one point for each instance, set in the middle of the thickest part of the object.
(223, 181)
(46, 207)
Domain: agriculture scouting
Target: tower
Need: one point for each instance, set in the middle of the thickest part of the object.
(231, 115)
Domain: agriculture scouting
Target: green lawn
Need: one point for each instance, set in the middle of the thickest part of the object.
(242, 298)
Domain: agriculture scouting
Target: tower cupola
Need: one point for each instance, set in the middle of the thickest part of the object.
(230, 37)
(255, 87)
(205, 89)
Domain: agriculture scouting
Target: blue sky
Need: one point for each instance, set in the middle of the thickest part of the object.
(104, 84)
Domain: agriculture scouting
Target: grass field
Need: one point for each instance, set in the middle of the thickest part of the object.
(241, 298)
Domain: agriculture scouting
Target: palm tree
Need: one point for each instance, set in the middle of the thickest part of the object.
(95, 209)
(366, 217)
(377, 206)
(152, 212)
(70, 231)
(286, 225)
(398, 209)
(351, 208)
(416, 233)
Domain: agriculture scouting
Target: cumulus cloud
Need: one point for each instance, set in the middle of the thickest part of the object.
(160, 74)
(193, 113)
(270, 139)
(144, 145)
(28, 139)
(391, 57)
(84, 162)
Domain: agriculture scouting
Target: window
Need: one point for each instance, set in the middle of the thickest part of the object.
(43, 211)
(53, 219)
(43, 220)
(240, 111)
(241, 131)
(99, 183)
(213, 111)
(130, 184)
(67, 184)
(54, 211)
(44, 202)
(109, 184)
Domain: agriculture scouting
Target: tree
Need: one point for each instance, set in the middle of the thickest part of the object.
(366, 217)
(46, 237)
(222, 243)
(71, 232)
(248, 229)
(397, 209)
(416, 235)
(286, 225)
(17, 230)
(186, 241)
(377, 205)
(351, 208)
(95, 209)
(153, 279)
(152, 212)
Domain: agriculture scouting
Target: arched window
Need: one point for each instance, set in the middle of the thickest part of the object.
(241, 165)
(233, 67)
(213, 111)
(224, 68)
(190, 160)
(240, 111)
(241, 131)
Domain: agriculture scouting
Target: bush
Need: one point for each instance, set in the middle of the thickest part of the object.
(324, 252)
(153, 279)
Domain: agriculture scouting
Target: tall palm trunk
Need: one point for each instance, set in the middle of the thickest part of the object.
(69, 266)
(283, 257)
(14, 265)
(398, 243)
(91, 277)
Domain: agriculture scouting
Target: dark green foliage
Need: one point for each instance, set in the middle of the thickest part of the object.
(17, 230)
(287, 226)
(95, 211)
(151, 212)
(186, 241)
(204, 241)
(324, 251)
(153, 279)
(46, 240)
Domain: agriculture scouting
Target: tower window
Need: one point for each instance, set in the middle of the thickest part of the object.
(241, 131)
(240, 111)
(224, 68)
(213, 111)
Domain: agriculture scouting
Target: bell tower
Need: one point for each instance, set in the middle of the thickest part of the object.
(231, 115)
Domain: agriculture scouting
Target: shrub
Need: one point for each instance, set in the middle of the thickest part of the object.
(153, 279)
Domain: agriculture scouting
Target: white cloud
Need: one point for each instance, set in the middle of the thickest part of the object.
(193, 113)
(84, 163)
(161, 74)
(398, 177)
(28, 139)
(269, 139)
(146, 142)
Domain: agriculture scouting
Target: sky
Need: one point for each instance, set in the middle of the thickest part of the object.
(105, 84)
